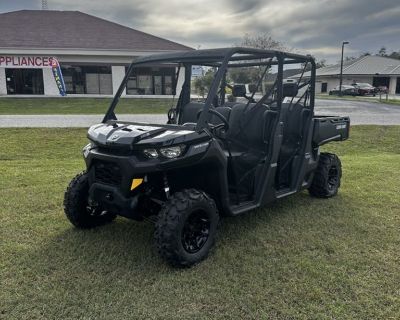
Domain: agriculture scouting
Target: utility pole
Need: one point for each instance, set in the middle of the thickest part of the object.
(44, 5)
(341, 69)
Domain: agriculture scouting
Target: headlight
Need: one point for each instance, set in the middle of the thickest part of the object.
(172, 152)
(151, 153)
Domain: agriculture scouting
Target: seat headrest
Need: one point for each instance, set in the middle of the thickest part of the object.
(290, 89)
(239, 90)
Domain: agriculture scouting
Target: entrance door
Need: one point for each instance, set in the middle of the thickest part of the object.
(381, 81)
(24, 81)
(324, 87)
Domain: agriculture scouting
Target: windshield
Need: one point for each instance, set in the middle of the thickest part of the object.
(167, 86)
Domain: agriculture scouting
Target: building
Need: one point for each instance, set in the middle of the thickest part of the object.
(375, 70)
(93, 53)
(287, 73)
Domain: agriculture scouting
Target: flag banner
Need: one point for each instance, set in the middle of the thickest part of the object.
(58, 77)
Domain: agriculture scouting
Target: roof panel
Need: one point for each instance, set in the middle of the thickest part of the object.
(235, 54)
(75, 30)
(368, 65)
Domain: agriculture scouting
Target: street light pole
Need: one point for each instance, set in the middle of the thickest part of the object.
(341, 69)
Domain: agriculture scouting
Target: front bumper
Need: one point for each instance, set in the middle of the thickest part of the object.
(111, 175)
(112, 200)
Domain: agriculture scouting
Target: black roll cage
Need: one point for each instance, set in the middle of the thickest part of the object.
(222, 59)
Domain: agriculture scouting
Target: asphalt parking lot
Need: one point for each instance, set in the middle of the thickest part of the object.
(360, 112)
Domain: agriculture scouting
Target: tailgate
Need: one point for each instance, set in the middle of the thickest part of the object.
(330, 128)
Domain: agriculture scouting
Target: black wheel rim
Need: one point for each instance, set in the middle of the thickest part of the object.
(333, 178)
(196, 231)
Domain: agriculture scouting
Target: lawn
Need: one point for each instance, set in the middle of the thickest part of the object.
(81, 105)
(23, 106)
(301, 258)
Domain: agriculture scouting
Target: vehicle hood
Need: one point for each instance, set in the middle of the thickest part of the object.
(127, 135)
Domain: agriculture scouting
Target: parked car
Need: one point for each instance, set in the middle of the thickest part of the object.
(346, 90)
(365, 89)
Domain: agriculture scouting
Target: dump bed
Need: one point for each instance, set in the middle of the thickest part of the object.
(330, 128)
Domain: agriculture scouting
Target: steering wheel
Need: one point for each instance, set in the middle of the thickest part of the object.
(224, 124)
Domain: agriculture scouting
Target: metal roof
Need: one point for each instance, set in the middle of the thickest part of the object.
(218, 54)
(367, 65)
(45, 29)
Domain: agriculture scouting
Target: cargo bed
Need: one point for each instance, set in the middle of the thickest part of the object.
(330, 128)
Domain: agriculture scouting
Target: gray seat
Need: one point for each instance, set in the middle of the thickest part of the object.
(228, 104)
(189, 112)
(192, 111)
(246, 144)
(225, 111)
(246, 126)
(296, 117)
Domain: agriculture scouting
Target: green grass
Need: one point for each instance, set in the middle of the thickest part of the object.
(81, 105)
(23, 106)
(301, 258)
(357, 98)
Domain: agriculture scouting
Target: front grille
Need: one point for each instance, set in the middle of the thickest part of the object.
(107, 172)
(115, 151)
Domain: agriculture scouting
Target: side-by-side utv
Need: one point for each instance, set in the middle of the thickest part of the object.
(214, 157)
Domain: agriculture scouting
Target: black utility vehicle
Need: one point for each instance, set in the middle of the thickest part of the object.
(212, 158)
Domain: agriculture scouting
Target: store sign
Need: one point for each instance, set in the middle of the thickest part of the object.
(25, 62)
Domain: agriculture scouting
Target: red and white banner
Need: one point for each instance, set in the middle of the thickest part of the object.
(25, 62)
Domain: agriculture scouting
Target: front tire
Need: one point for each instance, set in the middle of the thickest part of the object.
(186, 228)
(77, 208)
(326, 181)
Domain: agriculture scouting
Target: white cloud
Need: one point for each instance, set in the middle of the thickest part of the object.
(315, 26)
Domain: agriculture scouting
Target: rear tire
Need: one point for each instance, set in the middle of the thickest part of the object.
(327, 176)
(186, 228)
(77, 208)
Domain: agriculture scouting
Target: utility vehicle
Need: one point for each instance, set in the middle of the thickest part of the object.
(212, 157)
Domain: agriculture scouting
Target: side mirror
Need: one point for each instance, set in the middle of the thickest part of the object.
(239, 90)
(290, 89)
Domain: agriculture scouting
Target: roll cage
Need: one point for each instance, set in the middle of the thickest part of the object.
(222, 60)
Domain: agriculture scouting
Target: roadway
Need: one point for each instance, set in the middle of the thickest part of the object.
(360, 112)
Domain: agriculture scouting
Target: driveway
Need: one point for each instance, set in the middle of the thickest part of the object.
(360, 112)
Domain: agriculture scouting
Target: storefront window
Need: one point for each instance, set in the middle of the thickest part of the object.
(151, 81)
(24, 81)
(144, 84)
(87, 79)
(168, 84)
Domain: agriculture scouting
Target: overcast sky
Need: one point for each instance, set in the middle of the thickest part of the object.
(311, 26)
